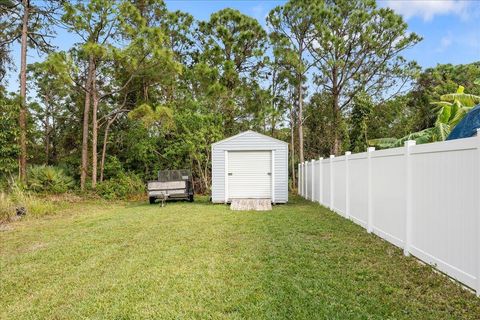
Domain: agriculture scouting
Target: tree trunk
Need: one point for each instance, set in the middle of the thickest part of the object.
(104, 148)
(22, 119)
(336, 139)
(273, 122)
(203, 177)
(94, 132)
(336, 107)
(274, 125)
(47, 139)
(300, 107)
(86, 111)
(300, 120)
(292, 148)
(53, 150)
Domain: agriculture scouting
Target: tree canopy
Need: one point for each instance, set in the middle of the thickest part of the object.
(144, 88)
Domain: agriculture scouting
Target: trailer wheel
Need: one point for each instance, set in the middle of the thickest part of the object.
(152, 200)
(190, 198)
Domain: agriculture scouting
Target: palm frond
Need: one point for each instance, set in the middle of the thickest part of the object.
(442, 130)
(461, 112)
(467, 100)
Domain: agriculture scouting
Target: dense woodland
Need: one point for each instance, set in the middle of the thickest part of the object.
(146, 89)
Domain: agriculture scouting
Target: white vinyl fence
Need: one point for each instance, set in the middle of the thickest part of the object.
(422, 198)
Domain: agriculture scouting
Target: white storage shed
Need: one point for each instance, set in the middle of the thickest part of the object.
(250, 165)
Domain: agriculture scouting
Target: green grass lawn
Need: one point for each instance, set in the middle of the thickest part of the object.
(203, 261)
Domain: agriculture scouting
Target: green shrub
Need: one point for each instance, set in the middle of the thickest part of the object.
(113, 167)
(123, 186)
(48, 179)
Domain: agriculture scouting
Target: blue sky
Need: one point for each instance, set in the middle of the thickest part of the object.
(450, 28)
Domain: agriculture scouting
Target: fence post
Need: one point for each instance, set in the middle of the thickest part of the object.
(369, 190)
(347, 185)
(312, 172)
(306, 179)
(305, 195)
(301, 178)
(298, 180)
(320, 182)
(478, 216)
(408, 197)
(309, 186)
(313, 179)
(331, 182)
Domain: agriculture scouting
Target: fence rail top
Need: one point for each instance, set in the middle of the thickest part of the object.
(441, 146)
(388, 152)
(444, 146)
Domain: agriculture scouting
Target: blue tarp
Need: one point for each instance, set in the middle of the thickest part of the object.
(468, 126)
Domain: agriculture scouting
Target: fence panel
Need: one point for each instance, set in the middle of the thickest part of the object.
(425, 199)
(308, 186)
(358, 177)
(444, 217)
(326, 182)
(339, 185)
(316, 181)
(389, 195)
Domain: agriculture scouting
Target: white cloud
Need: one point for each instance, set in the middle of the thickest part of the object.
(427, 9)
(466, 41)
(445, 42)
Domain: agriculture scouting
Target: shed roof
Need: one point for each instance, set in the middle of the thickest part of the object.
(247, 132)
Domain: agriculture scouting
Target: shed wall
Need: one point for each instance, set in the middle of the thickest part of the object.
(248, 142)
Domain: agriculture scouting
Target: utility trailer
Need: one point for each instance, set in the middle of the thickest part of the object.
(171, 185)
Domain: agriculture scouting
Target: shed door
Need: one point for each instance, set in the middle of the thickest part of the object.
(249, 174)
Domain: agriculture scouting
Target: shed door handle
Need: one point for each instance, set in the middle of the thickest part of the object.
(269, 173)
(230, 173)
